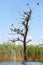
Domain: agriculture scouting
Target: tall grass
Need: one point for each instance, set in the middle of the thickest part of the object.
(35, 53)
(12, 52)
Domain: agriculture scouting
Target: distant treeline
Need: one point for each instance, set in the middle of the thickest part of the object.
(12, 52)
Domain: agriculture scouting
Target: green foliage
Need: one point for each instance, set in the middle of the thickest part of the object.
(35, 52)
(7, 48)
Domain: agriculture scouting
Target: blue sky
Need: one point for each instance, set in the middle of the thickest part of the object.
(9, 15)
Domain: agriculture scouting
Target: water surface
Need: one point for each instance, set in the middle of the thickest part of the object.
(21, 63)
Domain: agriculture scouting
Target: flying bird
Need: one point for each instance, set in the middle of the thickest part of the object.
(37, 3)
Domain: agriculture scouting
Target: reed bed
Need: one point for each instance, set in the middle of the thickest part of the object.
(12, 52)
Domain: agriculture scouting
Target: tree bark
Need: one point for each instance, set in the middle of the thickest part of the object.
(25, 57)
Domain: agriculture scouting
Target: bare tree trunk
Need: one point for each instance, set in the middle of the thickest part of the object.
(25, 58)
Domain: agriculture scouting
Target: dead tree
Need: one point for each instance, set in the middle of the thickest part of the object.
(24, 34)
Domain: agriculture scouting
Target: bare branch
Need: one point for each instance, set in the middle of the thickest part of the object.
(12, 40)
(23, 23)
(18, 31)
(21, 14)
(13, 29)
(28, 41)
(18, 39)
